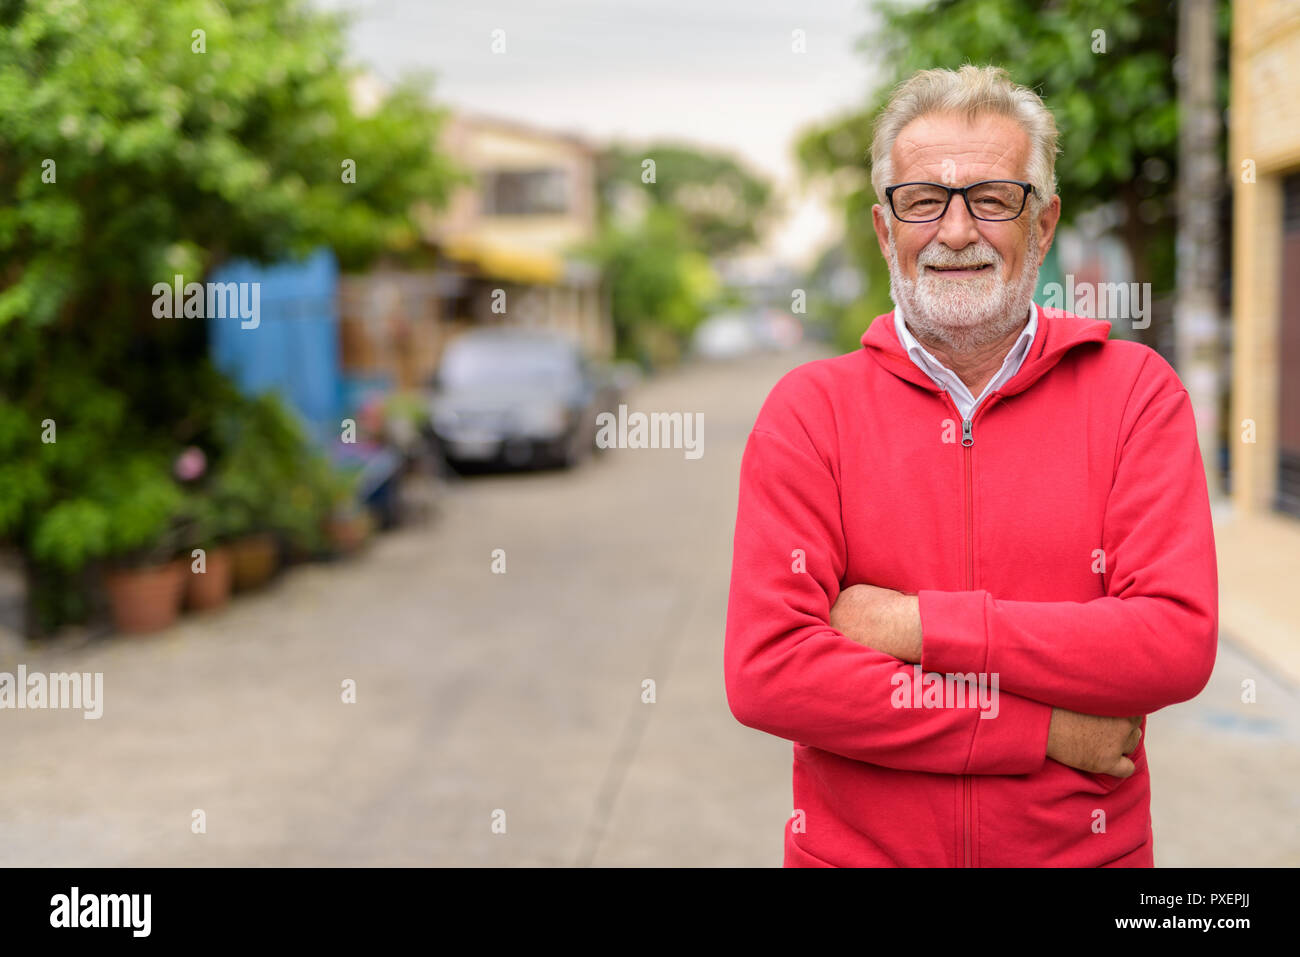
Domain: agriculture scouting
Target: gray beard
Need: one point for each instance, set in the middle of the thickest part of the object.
(964, 315)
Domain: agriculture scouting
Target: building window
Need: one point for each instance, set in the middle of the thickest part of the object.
(525, 192)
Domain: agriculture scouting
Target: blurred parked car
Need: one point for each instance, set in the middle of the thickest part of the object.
(725, 336)
(730, 335)
(520, 397)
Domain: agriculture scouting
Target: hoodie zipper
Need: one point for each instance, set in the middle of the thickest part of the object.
(968, 440)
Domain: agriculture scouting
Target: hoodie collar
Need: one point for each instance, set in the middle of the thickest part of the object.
(1058, 332)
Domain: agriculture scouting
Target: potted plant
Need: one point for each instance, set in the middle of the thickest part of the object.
(245, 486)
(119, 532)
(349, 523)
(203, 526)
(299, 514)
(145, 578)
(211, 567)
(278, 493)
(254, 551)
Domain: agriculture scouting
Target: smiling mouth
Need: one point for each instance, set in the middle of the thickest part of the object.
(952, 269)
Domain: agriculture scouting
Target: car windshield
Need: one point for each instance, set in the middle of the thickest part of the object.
(478, 363)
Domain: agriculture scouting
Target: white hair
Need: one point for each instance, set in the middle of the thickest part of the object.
(974, 91)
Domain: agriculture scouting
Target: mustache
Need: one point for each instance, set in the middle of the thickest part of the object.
(968, 258)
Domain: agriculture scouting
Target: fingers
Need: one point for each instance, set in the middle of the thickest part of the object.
(1132, 742)
(1123, 768)
(1135, 735)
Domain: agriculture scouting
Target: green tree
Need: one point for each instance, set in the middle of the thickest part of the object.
(659, 283)
(140, 139)
(172, 150)
(658, 239)
(722, 205)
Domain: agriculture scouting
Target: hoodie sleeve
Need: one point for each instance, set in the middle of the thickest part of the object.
(1151, 641)
(790, 674)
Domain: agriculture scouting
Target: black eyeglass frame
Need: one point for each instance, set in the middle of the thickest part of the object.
(1024, 200)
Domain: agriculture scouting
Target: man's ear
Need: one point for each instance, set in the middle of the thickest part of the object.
(878, 220)
(1048, 217)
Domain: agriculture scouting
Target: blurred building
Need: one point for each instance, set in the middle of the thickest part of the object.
(505, 248)
(1264, 151)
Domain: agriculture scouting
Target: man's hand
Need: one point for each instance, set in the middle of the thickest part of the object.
(880, 618)
(1092, 743)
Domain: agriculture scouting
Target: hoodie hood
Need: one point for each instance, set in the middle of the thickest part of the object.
(1058, 333)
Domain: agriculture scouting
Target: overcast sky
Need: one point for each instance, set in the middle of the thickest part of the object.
(718, 73)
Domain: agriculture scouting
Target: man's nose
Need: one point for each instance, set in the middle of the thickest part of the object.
(957, 228)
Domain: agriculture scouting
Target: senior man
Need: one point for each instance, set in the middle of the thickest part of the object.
(973, 555)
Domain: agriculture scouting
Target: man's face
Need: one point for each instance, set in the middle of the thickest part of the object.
(961, 280)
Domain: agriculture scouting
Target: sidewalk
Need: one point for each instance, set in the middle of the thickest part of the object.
(1259, 586)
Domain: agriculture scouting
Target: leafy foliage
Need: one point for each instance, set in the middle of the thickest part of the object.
(658, 240)
(270, 478)
(658, 282)
(169, 160)
(721, 204)
(132, 150)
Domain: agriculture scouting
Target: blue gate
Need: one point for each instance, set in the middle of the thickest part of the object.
(294, 346)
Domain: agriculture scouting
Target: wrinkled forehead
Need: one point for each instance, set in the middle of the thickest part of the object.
(955, 149)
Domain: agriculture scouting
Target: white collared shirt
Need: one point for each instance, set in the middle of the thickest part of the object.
(944, 377)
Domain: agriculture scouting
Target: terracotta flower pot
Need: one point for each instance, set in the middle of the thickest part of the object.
(254, 560)
(347, 533)
(211, 589)
(146, 599)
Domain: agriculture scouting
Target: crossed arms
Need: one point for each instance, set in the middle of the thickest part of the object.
(890, 623)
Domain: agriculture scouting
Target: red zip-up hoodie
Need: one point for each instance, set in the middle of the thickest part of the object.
(1060, 540)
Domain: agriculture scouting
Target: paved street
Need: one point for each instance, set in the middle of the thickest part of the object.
(519, 692)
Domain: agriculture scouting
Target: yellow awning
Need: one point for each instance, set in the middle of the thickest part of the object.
(499, 262)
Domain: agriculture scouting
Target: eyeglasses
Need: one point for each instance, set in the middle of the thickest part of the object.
(993, 200)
